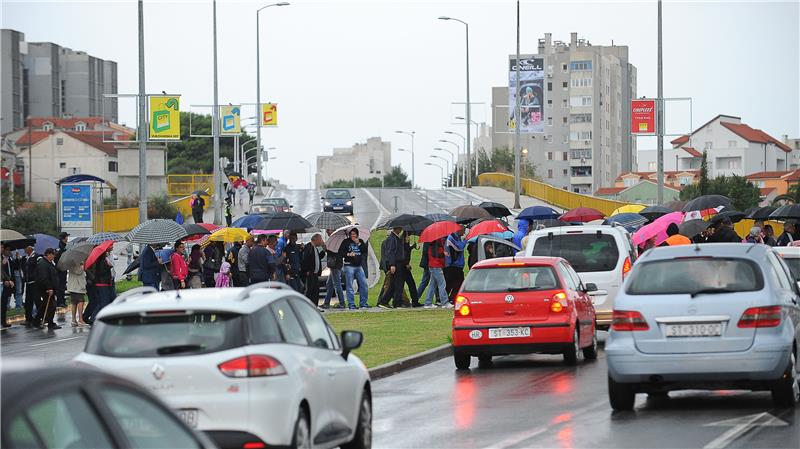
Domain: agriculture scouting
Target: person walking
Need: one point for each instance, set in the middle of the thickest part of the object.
(244, 254)
(408, 276)
(91, 295)
(233, 259)
(149, 268)
(454, 263)
(393, 254)
(436, 262)
(8, 284)
(311, 266)
(274, 262)
(292, 266)
(31, 291)
(228, 212)
(103, 283)
(426, 272)
(47, 282)
(18, 267)
(787, 237)
(352, 251)
(61, 290)
(76, 288)
(213, 254)
(251, 191)
(178, 269)
(257, 267)
(675, 238)
(195, 268)
(334, 282)
(197, 203)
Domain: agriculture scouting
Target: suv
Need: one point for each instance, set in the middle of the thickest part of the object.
(281, 205)
(251, 367)
(338, 200)
(602, 255)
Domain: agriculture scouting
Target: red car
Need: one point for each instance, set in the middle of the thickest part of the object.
(523, 305)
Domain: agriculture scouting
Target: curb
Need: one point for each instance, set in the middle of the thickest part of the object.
(21, 317)
(412, 361)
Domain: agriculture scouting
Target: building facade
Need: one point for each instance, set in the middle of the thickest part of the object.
(587, 94)
(794, 156)
(367, 160)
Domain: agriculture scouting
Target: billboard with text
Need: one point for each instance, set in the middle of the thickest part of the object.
(530, 91)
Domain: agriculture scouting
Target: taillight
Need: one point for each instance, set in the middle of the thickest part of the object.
(769, 316)
(252, 366)
(254, 445)
(627, 320)
(559, 302)
(462, 306)
(626, 267)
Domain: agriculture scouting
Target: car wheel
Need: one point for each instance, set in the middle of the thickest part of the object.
(485, 362)
(590, 352)
(786, 391)
(363, 437)
(571, 353)
(302, 432)
(462, 361)
(620, 395)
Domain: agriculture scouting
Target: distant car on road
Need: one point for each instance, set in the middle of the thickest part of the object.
(338, 200)
(281, 205)
(262, 209)
(77, 407)
(252, 367)
(712, 316)
(523, 305)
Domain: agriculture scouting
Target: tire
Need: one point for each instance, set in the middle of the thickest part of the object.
(363, 436)
(590, 352)
(302, 431)
(485, 362)
(462, 361)
(786, 391)
(571, 353)
(621, 396)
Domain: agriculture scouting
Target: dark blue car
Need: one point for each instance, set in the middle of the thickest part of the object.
(338, 200)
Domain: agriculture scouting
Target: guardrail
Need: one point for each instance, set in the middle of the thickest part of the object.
(122, 220)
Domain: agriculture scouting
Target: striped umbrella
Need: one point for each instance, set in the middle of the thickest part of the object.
(101, 237)
(156, 231)
(327, 220)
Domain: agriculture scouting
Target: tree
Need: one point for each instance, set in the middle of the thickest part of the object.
(194, 154)
(702, 185)
(502, 161)
(32, 220)
(742, 193)
(396, 177)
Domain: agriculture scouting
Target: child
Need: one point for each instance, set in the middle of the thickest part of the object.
(224, 276)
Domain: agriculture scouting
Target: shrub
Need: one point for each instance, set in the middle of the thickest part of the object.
(161, 207)
(33, 220)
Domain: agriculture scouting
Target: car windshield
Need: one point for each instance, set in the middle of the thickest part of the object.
(585, 252)
(338, 195)
(275, 201)
(794, 266)
(157, 336)
(695, 275)
(507, 279)
(262, 209)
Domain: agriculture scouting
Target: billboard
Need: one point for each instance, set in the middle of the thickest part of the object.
(643, 116)
(230, 120)
(165, 117)
(269, 114)
(531, 92)
(76, 205)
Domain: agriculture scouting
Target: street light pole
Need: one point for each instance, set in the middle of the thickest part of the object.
(215, 132)
(447, 178)
(413, 179)
(469, 112)
(144, 130)
(660, 117)
(464, 142)
(441, 169)
(454, 180)
(517, 150)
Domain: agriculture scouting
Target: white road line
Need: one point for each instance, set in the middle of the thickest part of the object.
(56, 341)
(737, 431)
(382, 211)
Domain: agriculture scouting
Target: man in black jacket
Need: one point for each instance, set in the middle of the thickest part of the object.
(8, 283)
(311, 267)
(61, 290)
(394, 260)
(257, 261)
(31, 289)
(47, 284)
(725, 233)
(353, 252)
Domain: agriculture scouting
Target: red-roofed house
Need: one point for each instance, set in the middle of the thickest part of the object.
(777, 180)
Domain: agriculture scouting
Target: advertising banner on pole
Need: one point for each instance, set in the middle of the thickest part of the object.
(76, 205)
(165, 117)
(531, 92)
(269, 114)
(643, 116)
(230, 120)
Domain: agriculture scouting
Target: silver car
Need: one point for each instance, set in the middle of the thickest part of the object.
(712, 316)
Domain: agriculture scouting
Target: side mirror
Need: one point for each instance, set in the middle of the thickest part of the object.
(352, 197)
(351, 340)
(322, 197)
(291, 206)
(246, 213)
(590, 287)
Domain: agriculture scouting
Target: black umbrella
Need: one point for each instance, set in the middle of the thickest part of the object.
(691, 228)
(653, 212)
(411, 223)
(760, 213)
(134, 265)
(440, 217)
(495, 209)
(785, 212)
(195, 229)
(288, 221)
(707, 202)
(734, 215)
(200, 193)
(675, 206)
(18, 243)
(468, 214)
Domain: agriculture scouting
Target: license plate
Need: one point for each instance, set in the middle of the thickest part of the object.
(509, 332)
(188, 416)
(338, 207)
(694, 330)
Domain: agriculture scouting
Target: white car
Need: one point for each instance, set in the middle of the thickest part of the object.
(790, 255)
(252, 367)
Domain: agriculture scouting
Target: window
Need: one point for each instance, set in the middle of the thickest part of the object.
(580, 118)
(511, 279)
(564, 120)
(564, 104)
(549, 103)
(549, 173)
(585, 252)
(565, 138)
(685, 180)
(580, 135)
(112, 166)
(288, 323)
(549, 155)
(63, 421)
(630, 182)
(565, 85)
(549, 121)
(581, 171)
(549, 86)
(581, 82)
(564, 156)
(577, 102)
(707, 145)
(47, 126)
(80, 126)
(580, 65)
(761, 184)
(675, 277)
(731, 144)
(651, 166)
(563, 67)
(315, 326)
(565, 172)
(582, 154)
(62, 165)
(548, 138)
(59, 141)
(263, 327)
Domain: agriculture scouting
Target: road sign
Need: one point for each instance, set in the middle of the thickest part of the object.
(269, 114)
(230, 120)
(643, 116)
(165, 117)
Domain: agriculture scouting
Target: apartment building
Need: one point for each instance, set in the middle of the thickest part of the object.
(371, 159)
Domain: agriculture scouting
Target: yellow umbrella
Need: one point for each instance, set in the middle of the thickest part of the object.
(229, 235)
(628, 209)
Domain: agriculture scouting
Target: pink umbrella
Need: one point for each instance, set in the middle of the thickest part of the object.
(657, 229)
(268, 232)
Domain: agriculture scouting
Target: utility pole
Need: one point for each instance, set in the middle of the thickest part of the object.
(516, 123)
(215, 133)
(469, 116)
(660, 115)
(144, 129)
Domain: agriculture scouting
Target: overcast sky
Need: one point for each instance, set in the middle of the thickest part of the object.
(343, 71)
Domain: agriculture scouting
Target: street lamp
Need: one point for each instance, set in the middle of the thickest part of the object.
(410, 133)
(258, 95)
(447, 178)
(454, 179)
(439, 167)
(469, 112)
(476, 135)
(458, 152)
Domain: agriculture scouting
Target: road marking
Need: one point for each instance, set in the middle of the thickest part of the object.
(382, 211)
(741, 426)
(56, 341)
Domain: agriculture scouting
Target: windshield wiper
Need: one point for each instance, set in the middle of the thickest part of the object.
(521, 289)
(165, 350)
(711, 291)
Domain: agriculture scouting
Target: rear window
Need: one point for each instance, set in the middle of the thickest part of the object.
(158, 336)
(509, 279)
(338, 194)
(275, 201)
(794, 266)
(687, 276)
(585, 252)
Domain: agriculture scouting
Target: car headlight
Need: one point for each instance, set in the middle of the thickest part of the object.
(327, 203)
(349, 203)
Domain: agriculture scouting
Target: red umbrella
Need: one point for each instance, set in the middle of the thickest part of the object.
(486, 227)
(98, 251)
(210, 227)
(582, 214)
(438, 230)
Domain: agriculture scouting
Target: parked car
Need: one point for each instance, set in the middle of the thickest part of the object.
(338, 200)
(59, 405)
(716, 316)
(281, 205)
(602, 255)
(523, 305)
(251, 367)
(791, 256)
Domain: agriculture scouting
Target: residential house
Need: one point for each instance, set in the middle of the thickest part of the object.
(774, 183)
(675, 179)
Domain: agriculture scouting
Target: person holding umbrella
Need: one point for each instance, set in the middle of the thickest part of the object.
(353, 251)
(99, 262)
(47, 283)
(394, 256)
(149, 268)
(334, 283)
(312, 267)
(197, 203)
(8, 283)
(454, 263)
(76, 288)
(178, 268)
(724, 233)
(62, 275)
(29, 276)
(787, 237)
(436, 261)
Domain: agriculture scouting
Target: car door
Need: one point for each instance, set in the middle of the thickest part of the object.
(791, 300)
(500, 247)
(588, 318)
(573, 293)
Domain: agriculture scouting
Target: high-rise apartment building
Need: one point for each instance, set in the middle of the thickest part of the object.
(586, 114)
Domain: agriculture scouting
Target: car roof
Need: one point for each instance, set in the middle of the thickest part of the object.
(273, 199)
(741, 250)
(585, 229)
(788, 252)
(526, 261)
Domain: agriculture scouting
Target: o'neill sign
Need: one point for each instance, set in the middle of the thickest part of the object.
(643, 117)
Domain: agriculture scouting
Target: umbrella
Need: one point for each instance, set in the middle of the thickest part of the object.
(785, 212)
(229, 235)
(408, 222)
(156, 231)
(101, 237)
(234, 174)
(691, 228)
(75, 256)
(10, 234)
(340, 235)
(134, 265)
(495, 209)
(164, 254)
(247, 222)
(98, 251)
(551, 223)
(195, 231)
(653, 212)
(466, 214)
(200, 193)
(440, 217)
(327, 220)
(629, 221)
(734, 215)
(289, 221)
(707, 202)
(538, 213)
(675, 206)
(657, 229)
(582, 214)
(486, 227)
(44, 241)
(628, 208)
(438, 230)
(72, 243)
(507, 235)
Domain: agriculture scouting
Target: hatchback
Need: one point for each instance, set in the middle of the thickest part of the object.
(523, 305)
(254, 367)
(791, 256)
(713, 316)
(280, 204)
(338, 200)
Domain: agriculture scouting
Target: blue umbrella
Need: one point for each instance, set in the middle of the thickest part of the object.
(247, 222)
(165, 254)
(629, 221)
(538, 213)
(44, 241)
(507, 235)
(179, 218)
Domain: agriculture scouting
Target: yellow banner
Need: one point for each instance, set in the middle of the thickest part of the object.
(269, 114)
(165, 118)
(230, 120)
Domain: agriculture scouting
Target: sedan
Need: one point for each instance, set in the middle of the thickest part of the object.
(523, 305)
(714, 316)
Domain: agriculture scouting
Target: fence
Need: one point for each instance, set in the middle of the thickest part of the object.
(122, 220)
(184, 185)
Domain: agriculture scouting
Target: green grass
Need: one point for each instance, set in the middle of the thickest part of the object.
(393, 335)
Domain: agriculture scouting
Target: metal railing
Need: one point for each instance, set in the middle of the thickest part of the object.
(183, 185)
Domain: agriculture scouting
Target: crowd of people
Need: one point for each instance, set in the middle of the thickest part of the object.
(722, 231)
